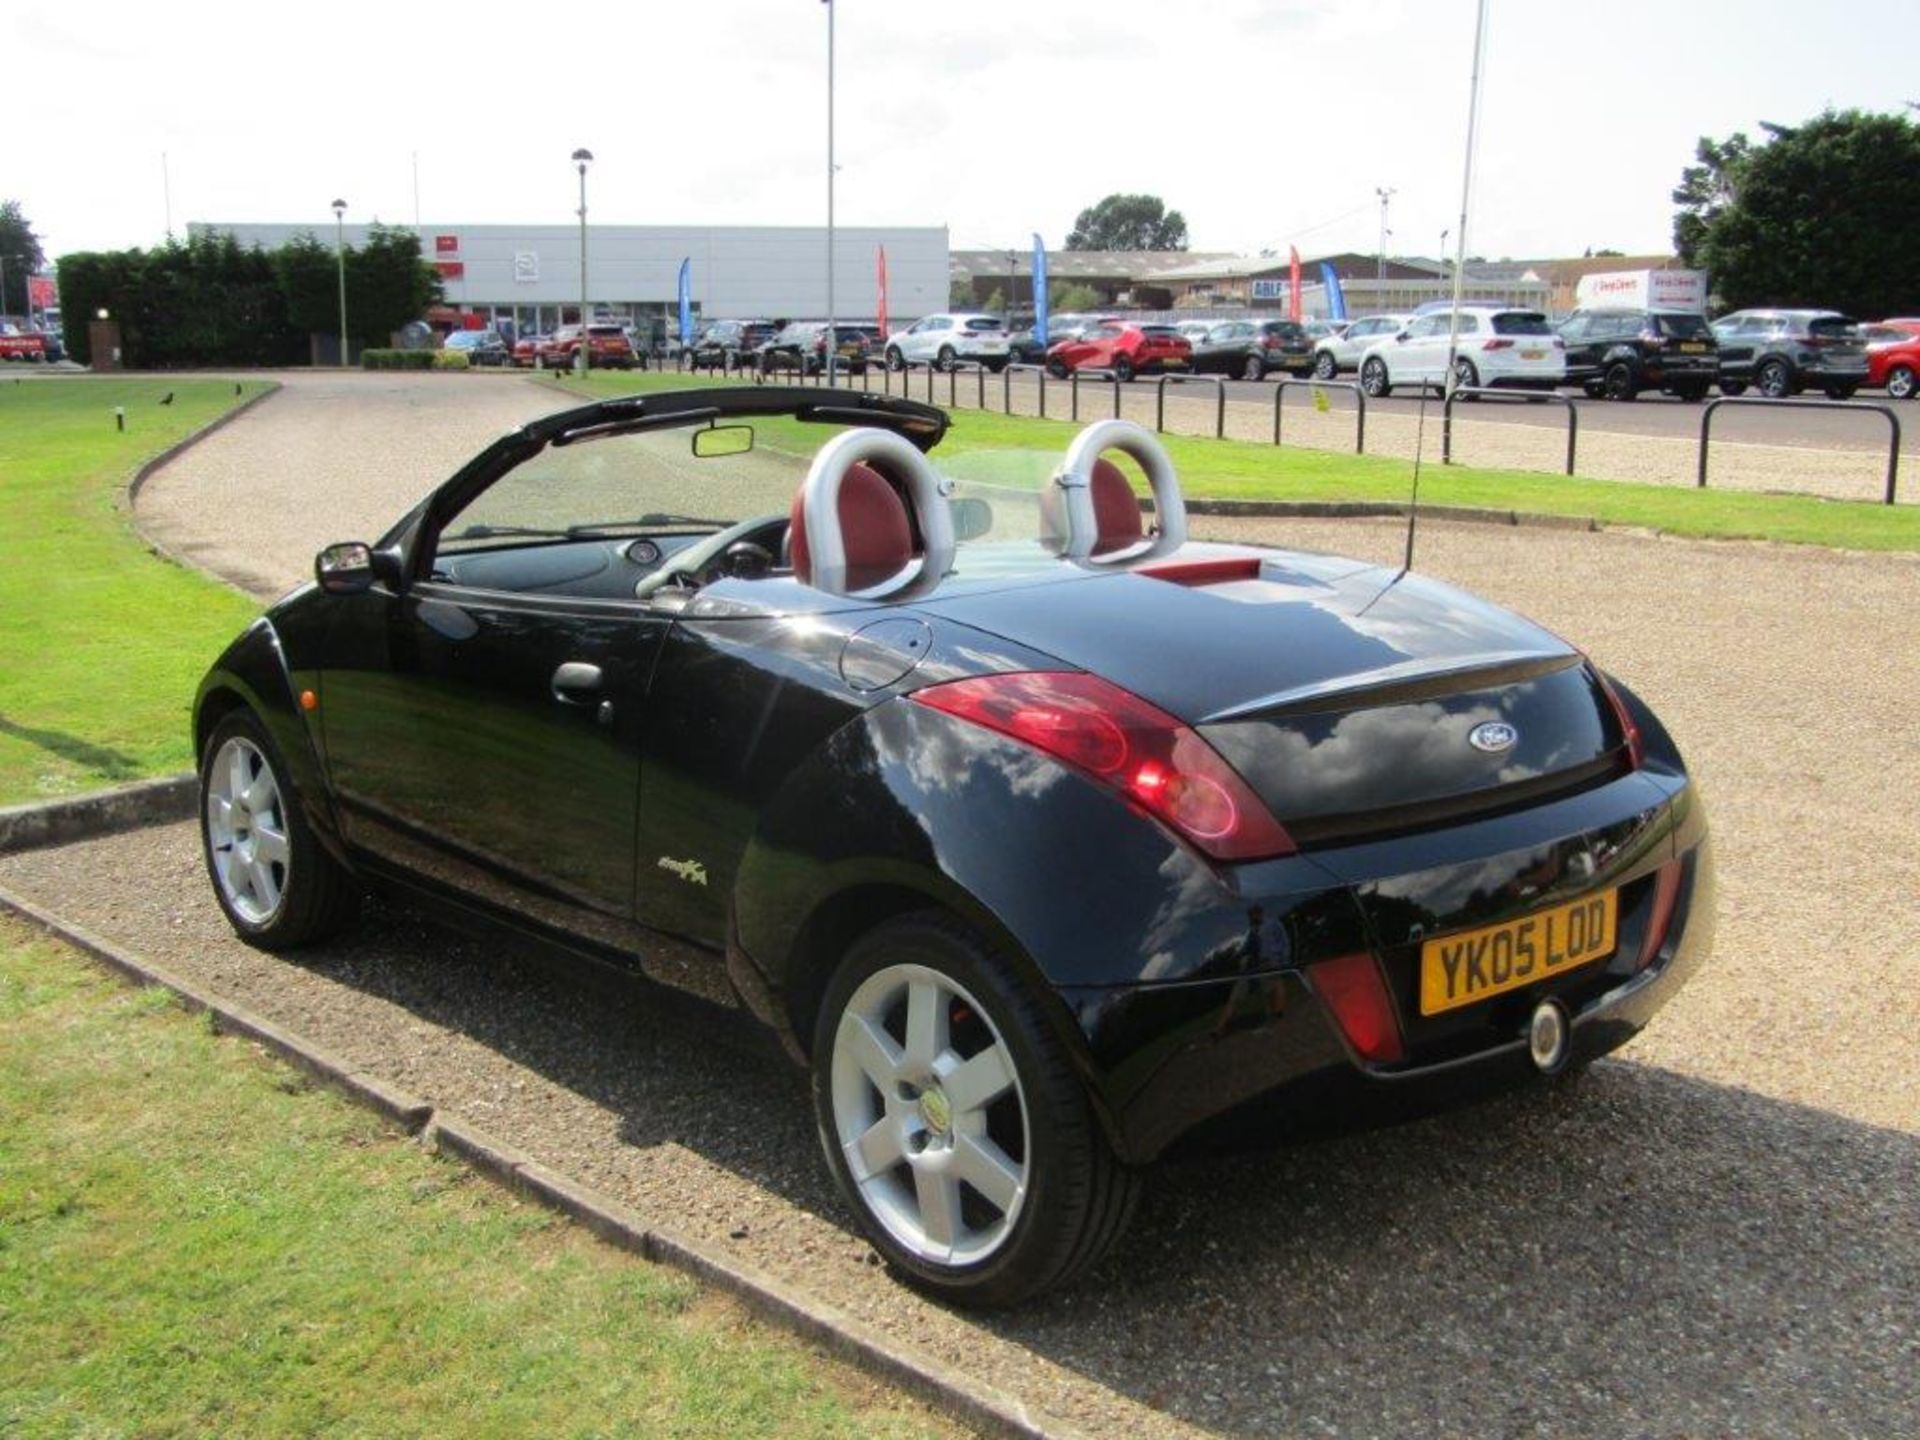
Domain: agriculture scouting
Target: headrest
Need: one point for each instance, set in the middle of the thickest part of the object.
(874, 529)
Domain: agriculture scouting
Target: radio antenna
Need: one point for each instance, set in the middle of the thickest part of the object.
(1459, 275)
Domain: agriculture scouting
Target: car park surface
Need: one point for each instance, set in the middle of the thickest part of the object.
(1718, 1236)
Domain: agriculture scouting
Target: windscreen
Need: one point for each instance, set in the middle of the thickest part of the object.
(1521, 322)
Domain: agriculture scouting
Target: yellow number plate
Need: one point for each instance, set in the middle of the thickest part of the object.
(1691, 347)
(1471, 965)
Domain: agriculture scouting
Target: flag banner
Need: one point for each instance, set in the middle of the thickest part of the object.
(1293, 284)
(686, 301)
(880, 281)
(1039, 291)
(1336, 301)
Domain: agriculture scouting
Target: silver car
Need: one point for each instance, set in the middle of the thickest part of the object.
(1337, 353)
(944, 340)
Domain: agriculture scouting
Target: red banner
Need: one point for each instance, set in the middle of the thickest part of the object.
(880, 272)
(1293, 285)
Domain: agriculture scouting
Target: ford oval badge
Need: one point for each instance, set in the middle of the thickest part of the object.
(1493, 737)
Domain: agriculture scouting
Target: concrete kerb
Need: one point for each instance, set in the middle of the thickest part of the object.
(772, 1300)
(100, 812)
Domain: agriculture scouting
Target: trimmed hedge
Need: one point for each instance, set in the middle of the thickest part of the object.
(398, 359)
(451, 359)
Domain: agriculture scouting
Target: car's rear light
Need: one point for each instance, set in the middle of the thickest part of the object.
(1497, 345)
(1666, 891)
(1353, 990)
(1128, 745)
(1653, 340)
(1629, 731)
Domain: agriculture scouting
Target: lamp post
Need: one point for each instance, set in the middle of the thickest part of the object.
(1380, 270)
(583, 358)
(833, 334)
(340, 264)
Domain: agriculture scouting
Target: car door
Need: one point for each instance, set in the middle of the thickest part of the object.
(1582, 354)
(1737, 335)
(1422, 358)
(483, 722)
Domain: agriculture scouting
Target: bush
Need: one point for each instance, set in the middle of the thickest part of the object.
(397, 359)
(451, 359)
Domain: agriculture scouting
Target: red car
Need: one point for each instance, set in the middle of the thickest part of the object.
(607, 346)
(1893, 357)
(1126, 350)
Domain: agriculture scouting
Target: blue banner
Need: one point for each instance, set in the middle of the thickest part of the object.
(686, 301)
(1039, 290)
(1336, 300)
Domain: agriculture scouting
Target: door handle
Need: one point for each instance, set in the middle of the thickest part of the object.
(576, 683)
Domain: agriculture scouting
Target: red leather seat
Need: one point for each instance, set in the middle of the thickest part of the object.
(1117, 518)
(874, 529)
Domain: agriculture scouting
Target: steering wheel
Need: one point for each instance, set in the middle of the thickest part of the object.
(689, 566)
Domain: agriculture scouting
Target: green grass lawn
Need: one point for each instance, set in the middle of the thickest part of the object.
(101, 643)
(1241, 470)
(194, 1241)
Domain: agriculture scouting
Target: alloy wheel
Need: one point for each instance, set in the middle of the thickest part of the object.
(930, 1114)
(1773, 380)
(1900, 382)
(247, 831)
(1324, 365)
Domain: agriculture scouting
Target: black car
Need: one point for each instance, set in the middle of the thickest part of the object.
(803, 347)
(1042, 838)
(1617, 353)
(1254, 349)
(729, 344)
(1782, 352)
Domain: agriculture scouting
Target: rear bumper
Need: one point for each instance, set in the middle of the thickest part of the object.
(1260, 1058)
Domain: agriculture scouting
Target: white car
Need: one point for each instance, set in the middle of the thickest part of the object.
(1196, 330)
(1498, 348)
(943, 340)
(1337, 353)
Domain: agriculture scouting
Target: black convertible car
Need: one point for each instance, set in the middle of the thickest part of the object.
(1045, 837)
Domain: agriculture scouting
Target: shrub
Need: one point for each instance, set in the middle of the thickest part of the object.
(451, 359)
(397, 359)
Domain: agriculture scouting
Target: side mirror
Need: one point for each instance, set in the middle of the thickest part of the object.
(351, 567)
(344, 569)
(1403, 335)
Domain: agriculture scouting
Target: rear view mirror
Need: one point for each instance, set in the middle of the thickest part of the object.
(1403, 335)
(971, 518)
(722, 440)
(344, 569)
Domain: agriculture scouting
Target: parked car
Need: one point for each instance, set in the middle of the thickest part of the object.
(1497, 347)
(1336, 354)
(481, 347)
(729, 344)
(1782, 352)
(1196, 330)
(1320, 328)
(23, 346)
(1253, 349)
(1125, 349)
(1893, 357)
(944, 340)
(803, 347)
(1024, 347)
(527, 350)
(1039, 850)
(1617, 353)
(607, 347)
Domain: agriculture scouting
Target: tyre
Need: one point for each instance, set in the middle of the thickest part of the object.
(1122, 368)
(1732, 388)
(944, 360)
(1057, 369)
(1774, 380)
(1325, 367)
(895, 360)
(1841, 392)
(1373, 379)
(1252, 368)
(1619, 383)
(277, 884)
(1592, 389)
(1465, 377)
(1900, 382)
(954, 1122)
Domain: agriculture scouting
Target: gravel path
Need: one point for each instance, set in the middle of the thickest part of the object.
(1715, 1233)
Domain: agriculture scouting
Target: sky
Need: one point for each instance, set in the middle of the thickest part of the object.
(1266, 123)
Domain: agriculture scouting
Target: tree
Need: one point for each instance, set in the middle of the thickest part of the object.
(1820, 213)
(1129, 222)
(388, 284)
(1077, 297)
(20, 256)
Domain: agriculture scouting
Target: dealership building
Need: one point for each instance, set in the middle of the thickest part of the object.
(529, 275)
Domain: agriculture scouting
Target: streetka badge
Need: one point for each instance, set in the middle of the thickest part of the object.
(1493, 737)
(691, 871)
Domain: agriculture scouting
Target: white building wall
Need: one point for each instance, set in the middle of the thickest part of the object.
(737, 271)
